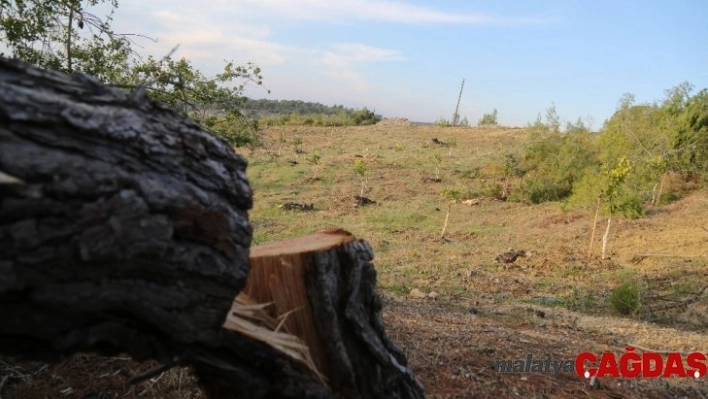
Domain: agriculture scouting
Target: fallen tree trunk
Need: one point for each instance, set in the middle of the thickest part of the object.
(115, 214)
(124, 228)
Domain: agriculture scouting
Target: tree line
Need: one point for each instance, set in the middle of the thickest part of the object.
(298, 112)
(644, 155)
(265, 107)
(658, 141)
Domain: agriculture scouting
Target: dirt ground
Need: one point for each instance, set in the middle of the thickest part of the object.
(552, 303)
(452, 348)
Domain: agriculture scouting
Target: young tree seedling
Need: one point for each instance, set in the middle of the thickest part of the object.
(438, 162)
(451, 144)
(611, 195)
(453, 196)
(297, 144)
(315, 159)
(361, 169)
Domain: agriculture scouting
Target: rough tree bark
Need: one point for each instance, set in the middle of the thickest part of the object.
(332, 305)
(124, 228)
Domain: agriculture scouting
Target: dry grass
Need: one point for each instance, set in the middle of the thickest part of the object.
(404, 226)
(453, 347)
(485, 311)
(89, 376)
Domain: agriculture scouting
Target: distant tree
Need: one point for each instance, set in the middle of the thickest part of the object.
(366, 117)
(552, 119)
(442, 122)
(658, 138)
(553, 162)
(455, 119)
(677, 98)
(268, 108)
(691, 141)
(612, 196)
(489, 119)
(297, 112)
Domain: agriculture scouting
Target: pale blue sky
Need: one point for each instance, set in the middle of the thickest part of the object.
(407, 58)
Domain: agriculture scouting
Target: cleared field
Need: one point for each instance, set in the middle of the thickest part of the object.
(405, 224)
(407, 172)
(553, 302)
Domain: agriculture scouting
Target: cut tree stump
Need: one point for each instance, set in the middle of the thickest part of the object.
(322, 290)
(124, 228)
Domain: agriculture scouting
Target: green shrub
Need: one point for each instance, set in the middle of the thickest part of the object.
(691, 139)
(552, 162)
(541, 189)
(667, 198)
(235, 129)
(625, 298)
(454, 194)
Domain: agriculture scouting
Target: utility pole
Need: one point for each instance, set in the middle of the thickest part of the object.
(456, 115)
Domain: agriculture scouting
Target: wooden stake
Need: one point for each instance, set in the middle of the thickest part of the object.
(594, 226)
(447, 217)
(661, 188)
(606, 237)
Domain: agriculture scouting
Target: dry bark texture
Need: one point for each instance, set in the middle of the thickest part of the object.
(363, 361)
(126, 218)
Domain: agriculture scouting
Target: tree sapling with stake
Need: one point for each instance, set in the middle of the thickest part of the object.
(611, 195)
(438, 161)
(453, 196)
(361, 169)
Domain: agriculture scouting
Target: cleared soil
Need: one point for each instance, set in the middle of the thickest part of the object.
(552, 303)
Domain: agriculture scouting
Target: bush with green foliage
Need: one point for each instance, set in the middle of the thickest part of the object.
(625, 299)
(212, 102)
(553, 161)
(237, 131)
(667, 136)
(691, 139)
(636, 133)
(609, 184)
(361, 170)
